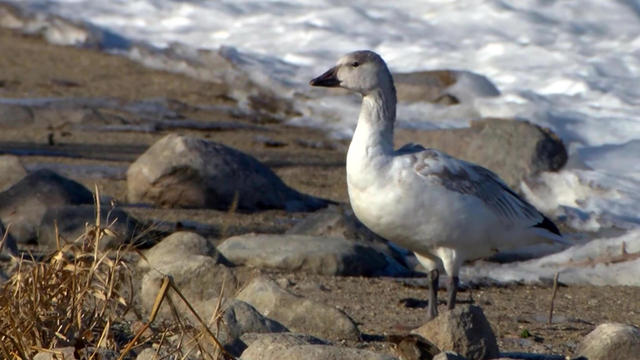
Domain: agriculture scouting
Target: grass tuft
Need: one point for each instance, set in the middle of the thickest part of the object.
(78, 296)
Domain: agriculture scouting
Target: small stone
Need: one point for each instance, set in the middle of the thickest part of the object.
(238, 318)
(297, 313)
(464, 330)
(611, 341)
(179, 245)
(413, 347)
(449, 355)
(57, 353)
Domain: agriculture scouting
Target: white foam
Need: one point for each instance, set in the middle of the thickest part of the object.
(573, 66)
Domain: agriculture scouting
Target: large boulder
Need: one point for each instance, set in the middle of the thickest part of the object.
(297, 313)
(311, 254)
(464, 330)
(24, 204)
(183, 171)
(515, 150)
(611, 341)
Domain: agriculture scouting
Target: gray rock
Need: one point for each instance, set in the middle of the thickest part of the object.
(181, 171)
(297, 313)
(179, 245)
(335, 221)
(413, 347)
(449, 355)
(611, 341)
(72, 221)
(239, 318)
(311, 254)
(515, 150)
(464, 330)
(201, 279)
(70, 352)
(281, 340)
(442, 86)
(340, 221)
(263, 346)
(11, 171)
(24, 204)
(147, 354)
(317, 352)
(67, 352)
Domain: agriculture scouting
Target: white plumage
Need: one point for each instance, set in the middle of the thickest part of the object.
(444, 209)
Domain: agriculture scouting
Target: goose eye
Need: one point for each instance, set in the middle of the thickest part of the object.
(355, 64)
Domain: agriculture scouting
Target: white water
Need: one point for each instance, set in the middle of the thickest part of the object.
(573, 66)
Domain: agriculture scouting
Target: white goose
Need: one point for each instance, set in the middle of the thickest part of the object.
(443, 209)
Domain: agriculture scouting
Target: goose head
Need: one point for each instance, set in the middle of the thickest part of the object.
(360, 71)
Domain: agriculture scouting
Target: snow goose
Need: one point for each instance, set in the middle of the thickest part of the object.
(444, 209)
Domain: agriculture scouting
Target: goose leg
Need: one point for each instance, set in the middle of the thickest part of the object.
(433, 297)
(452, 290)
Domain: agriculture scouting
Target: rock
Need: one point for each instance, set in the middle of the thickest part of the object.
(71, 353)
(263, 346)
(319, 352)
(611, 341)
(72, 222)
(311, 254)
(281, 340)
(413, 347)
(449, 355)
(445, 87)
(182, 171)
(179, 245)
(297, 313)
(340, 221)
(147, 354)
(239, 318)
(67, 352)
(11, 171)
(24, 204)
(464, 330)
(515, 150)
(201, 279)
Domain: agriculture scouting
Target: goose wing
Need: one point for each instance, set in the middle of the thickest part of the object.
(471, 179)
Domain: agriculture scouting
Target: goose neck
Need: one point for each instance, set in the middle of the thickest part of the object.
(376, 120)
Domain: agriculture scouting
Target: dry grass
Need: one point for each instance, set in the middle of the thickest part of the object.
(78, 297)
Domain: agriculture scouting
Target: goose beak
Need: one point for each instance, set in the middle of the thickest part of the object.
(328, 79)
